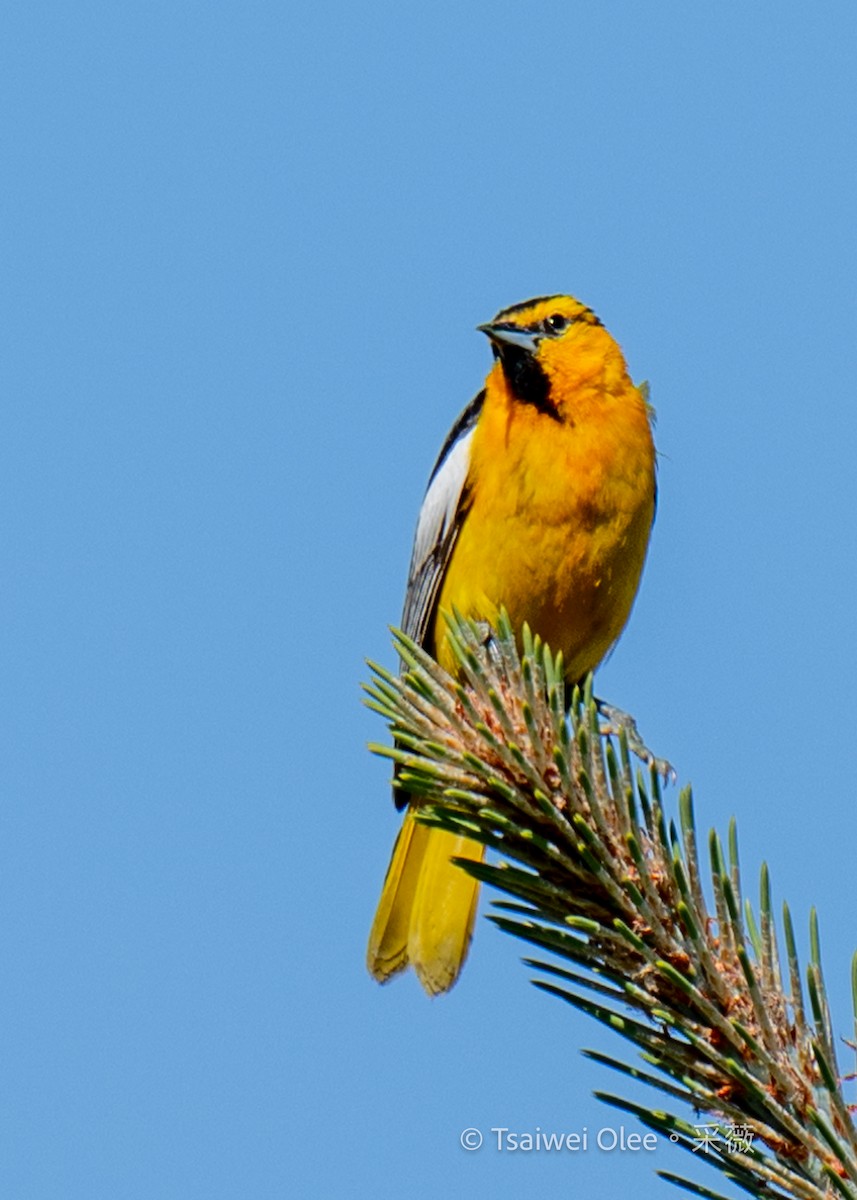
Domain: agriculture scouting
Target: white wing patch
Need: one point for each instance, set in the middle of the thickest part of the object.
(437, 529)
(437, 515)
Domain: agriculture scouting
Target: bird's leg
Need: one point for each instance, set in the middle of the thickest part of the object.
(488, 639)
(619, 721)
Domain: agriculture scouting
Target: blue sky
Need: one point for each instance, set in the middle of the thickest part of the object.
(245, 249)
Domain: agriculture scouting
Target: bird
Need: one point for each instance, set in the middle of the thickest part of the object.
(542, 502)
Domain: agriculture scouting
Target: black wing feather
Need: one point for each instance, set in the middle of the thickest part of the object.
(444, 508)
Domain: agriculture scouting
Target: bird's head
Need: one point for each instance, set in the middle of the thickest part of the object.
(550, 348)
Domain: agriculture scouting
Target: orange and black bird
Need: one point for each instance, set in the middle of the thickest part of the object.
(541, 501)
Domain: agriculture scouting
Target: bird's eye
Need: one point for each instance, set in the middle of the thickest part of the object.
(555, 324)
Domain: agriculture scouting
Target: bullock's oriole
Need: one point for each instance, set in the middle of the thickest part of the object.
(542, 501)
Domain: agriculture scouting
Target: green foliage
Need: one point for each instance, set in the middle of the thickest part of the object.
(602, 881)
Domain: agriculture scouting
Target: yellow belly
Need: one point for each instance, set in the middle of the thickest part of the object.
(559, 535)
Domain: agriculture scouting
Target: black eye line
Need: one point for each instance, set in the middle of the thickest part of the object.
(586, 317)
(544, 327)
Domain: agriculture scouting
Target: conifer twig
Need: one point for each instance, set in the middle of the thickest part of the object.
(598, 879)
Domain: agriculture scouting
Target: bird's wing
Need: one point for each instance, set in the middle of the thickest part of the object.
(443, 511)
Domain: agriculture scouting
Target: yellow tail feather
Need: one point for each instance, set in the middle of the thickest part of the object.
(427, 908)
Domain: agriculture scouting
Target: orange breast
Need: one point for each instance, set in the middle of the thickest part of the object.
(559, 522)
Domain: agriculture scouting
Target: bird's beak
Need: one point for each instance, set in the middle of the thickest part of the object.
(504, 334)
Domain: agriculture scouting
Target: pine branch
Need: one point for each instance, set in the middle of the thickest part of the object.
(601, 881)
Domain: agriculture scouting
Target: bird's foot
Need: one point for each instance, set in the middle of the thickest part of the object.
(618, 722)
